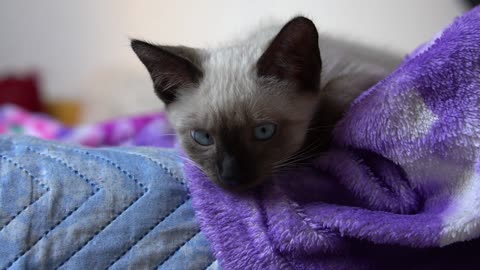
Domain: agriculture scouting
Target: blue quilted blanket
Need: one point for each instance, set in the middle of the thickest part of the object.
(68, 207)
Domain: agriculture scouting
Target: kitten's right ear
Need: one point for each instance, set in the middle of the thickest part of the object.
(294, 55)
(171, 68)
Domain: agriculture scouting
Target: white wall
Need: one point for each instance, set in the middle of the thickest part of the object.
(79, 46)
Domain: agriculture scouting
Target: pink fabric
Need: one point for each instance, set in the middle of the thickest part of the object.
(149, 129)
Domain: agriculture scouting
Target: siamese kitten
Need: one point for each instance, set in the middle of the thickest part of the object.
(243, 112)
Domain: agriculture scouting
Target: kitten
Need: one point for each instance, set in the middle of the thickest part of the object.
(243, 112)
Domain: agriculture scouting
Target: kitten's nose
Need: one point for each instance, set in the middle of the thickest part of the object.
(229, 170)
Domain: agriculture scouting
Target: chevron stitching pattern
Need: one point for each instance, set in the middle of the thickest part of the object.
(66, 216)
(133, 199)
(45, 188)
(165, 168)
(178, 248)
(129, 175)
(148, 231)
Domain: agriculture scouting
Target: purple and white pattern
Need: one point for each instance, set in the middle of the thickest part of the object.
(140, 130)
(400, 189)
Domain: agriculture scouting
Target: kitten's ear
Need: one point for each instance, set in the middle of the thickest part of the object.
(171, 68)
(294, 55)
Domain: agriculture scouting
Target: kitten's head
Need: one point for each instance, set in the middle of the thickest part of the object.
(241, 112)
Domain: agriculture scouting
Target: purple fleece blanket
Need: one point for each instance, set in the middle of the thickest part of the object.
(400, 189)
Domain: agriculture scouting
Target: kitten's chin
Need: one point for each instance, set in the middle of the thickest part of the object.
(240, 187)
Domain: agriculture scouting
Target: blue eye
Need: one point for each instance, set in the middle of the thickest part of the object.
(264, 131)
(202, 137)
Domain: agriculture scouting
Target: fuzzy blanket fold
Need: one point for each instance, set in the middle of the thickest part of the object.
(400, 189)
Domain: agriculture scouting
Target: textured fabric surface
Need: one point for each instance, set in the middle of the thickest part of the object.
(69, 207)
(400, 189)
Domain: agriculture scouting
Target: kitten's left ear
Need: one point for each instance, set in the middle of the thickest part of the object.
(294, 55)
(172, 68)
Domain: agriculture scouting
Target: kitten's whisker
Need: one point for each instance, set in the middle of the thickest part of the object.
(296, 160)
(300, 154)
(194, 164)
(190, 161)
(294, 163)
(167, 134)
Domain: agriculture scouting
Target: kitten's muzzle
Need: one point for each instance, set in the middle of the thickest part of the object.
(229, 171)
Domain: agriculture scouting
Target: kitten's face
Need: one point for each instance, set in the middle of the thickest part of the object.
(241, 112)
(241, 139)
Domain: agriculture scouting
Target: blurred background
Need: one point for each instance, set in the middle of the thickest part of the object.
(72, 58)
